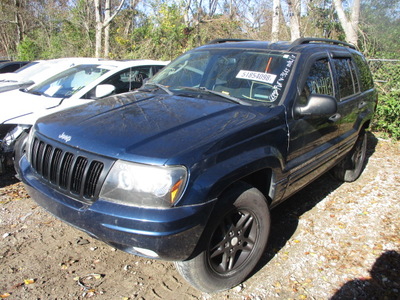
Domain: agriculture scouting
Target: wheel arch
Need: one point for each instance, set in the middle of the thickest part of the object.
(263, 175)
(220, 205)
(366, 125)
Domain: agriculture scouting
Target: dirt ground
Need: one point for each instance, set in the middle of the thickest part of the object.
(330, 241)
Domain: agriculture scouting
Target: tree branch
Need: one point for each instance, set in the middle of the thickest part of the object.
(108, 21)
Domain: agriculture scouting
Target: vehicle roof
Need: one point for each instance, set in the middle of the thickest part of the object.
(109, 62)
(133, 62)
(41, 69)
(8, 63)
(300, 45)
(91, 60)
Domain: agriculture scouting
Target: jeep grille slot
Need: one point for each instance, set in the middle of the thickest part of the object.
(92, 178)
(71, 173)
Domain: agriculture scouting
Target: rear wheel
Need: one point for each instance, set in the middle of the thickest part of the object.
(233, 243)
(350, 168)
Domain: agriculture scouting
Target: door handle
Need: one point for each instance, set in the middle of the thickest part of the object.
(335, 117)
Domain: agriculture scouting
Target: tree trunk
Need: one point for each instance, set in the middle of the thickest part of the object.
(350, 27)
(18, 21)
(107, 15)
(294, 11)
(99, 27)
(186, 8)
(276, 14)
(108, 19)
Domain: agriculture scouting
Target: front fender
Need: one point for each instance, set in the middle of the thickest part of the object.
(213, 181)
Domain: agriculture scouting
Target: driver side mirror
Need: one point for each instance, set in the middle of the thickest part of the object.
(318, 106)
(103, 90)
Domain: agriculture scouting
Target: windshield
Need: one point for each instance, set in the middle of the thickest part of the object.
(249, 75)
(67, 83)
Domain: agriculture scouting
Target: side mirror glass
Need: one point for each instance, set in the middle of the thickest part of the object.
(318, 105)
(103, 90)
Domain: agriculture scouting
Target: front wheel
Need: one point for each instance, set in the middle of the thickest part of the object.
(234, 241)
(350, 168)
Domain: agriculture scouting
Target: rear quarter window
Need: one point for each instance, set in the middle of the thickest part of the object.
(364, 72)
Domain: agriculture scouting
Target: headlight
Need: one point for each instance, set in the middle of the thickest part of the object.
(144, 185)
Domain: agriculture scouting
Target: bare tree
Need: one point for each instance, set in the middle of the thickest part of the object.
(185, 6)
(18, 21)
(350, 26)
(104, 22)
(276, 16)
(107, 16)
(294, 15)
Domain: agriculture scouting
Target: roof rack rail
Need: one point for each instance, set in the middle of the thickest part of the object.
(220, 41)
(302, 41)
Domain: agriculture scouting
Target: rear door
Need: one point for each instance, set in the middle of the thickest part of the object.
(350, 99)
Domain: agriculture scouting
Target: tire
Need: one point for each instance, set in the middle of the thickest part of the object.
(351, 167)
(234, 241)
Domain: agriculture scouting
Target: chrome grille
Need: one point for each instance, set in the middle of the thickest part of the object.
(69, 170)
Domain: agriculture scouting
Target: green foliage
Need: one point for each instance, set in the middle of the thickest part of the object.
(162, 36)
(58, 33)
(165, 35)
(387, 116)
(387, 80)
(27, 50)
(324, 20)
(380, 24)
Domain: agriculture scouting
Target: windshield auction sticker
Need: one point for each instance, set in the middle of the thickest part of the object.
(257, 76)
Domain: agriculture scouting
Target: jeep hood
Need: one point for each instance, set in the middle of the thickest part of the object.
(146, 127)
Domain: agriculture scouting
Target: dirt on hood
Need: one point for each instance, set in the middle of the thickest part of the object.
(330, 241)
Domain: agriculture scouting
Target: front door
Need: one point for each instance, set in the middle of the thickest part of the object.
(313, 139)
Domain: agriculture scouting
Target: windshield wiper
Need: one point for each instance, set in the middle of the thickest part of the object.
(160, 86)
(32, 92)
(222, 95)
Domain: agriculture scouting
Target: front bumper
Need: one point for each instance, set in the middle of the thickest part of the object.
(168, 234)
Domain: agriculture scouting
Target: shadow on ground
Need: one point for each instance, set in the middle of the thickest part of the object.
(384, 282)
(8, 178)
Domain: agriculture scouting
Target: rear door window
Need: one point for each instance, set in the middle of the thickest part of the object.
(347, 77)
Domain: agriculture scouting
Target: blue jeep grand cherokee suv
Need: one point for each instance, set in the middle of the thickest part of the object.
(188, 167)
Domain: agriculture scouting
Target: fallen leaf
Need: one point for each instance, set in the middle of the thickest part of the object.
(5, 295)
(97, 276)
(29, 281)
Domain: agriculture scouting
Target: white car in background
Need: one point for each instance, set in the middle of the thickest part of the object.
(75, 86)
(37, 71)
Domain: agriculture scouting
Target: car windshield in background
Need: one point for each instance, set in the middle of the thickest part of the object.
(67, 83)
(244, 75)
